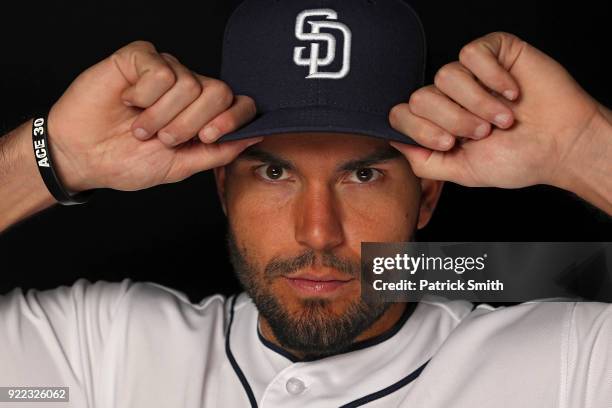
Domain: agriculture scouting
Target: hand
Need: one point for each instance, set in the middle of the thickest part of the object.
(504, 115)
(93, 127)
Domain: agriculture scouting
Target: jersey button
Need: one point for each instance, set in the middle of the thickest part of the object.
(295, 386)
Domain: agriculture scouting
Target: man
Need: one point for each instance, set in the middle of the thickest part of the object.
(299, 203)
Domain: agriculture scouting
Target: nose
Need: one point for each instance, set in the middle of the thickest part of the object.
(318, 224)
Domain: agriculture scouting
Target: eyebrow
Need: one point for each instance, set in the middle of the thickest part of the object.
(255, 153)
(378, 156)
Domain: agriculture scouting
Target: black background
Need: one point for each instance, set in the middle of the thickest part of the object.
(174, 234)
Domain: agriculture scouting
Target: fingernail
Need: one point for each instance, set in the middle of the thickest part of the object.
(502, 119)
(481, 131)
(256, 140)
(166, 138)
(446, 141)
(394, 144)
(211, 133)
(509, 94)
(140, 133)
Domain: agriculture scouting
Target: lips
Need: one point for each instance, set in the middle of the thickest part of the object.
(322, 277)
(317, 284)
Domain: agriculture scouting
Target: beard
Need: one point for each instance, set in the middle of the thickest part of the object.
(314, 331)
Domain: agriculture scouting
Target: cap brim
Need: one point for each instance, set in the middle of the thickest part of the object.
(318, 119)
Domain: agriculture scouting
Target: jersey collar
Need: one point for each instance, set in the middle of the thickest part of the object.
(388, 362)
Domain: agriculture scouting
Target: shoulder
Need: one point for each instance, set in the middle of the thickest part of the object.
(543, 325)
(453, 310)
(563, 314)
(163, 319)
(514, 343)
(157, 302)
(531, 318)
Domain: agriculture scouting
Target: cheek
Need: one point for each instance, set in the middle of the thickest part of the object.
(385, 214)
(260, 219)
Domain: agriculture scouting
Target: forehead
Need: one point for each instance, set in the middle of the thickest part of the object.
(331, 145)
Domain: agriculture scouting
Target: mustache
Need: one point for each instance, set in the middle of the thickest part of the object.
(279, 267)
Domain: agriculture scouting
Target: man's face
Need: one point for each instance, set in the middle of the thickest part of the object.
(299, 206)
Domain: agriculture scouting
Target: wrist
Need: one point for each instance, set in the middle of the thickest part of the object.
(586, 168)
(71, 179)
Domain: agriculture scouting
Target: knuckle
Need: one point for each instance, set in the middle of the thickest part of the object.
(250, 106)
(176, 128)
(227, 124)
(146, 121)
(458, 129)
(396, 113)
(468, 51)
(503, 34)
(480, 100)
(438, 134)
(417, 98)
(141, 44)
(190, 86)
(170, 56)
(136, 96)
(455, 128)
(165, 75)
(220, 92)
(443, 75)
(454, 124)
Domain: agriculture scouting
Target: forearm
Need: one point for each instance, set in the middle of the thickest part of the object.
(22, 191)
(588, 169)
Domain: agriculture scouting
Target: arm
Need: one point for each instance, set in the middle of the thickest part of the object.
(22, 189)
(511, 117)
(135, 120)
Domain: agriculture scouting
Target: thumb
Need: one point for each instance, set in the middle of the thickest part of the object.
(196, 157)
(433, 164)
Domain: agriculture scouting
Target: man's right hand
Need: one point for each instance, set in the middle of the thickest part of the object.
(93, 127)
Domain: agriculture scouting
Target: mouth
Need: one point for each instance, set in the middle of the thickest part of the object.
(309, 284)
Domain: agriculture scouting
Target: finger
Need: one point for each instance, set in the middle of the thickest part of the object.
(490, 58)
(185, 90)
(216, 98)
(148, 73)
(433, 165)
(431, 104)
(196, 156)
(419, 129)
(458, 83)
(241, 112)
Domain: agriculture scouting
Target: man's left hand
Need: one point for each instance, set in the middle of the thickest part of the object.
(504, 115)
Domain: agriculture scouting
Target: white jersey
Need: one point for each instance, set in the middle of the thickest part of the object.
(140, 344)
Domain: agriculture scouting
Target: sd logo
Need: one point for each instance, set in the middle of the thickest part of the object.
(315, 34)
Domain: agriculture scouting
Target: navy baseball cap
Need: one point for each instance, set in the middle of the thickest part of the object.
(323, 65)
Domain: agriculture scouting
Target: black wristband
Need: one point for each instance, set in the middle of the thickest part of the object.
(44, 162)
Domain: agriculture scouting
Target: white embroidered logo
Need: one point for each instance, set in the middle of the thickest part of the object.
(314, 62)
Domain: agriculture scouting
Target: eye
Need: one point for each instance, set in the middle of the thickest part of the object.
(271, 172)
(365, 175)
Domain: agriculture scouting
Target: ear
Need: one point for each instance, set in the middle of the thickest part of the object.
(220, 177)
(430, 193)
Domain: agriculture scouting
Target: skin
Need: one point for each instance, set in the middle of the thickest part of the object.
(321, 208)
(555, 134)
(136, 87)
